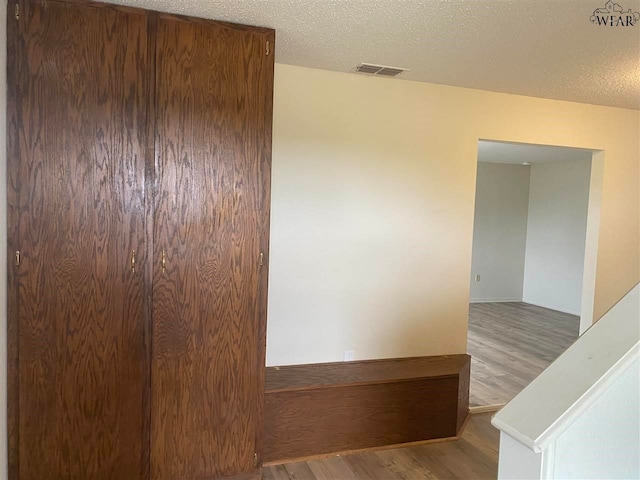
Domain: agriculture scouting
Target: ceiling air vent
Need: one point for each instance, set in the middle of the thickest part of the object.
(379, 70)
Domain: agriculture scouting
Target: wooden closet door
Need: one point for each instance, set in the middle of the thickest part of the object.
(79, 195)
(213, 146)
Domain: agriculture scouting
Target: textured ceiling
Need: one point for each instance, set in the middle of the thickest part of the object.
(519, 153)
(540, 48)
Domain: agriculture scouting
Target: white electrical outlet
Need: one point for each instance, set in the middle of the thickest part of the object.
(349, 355)
(478, 277)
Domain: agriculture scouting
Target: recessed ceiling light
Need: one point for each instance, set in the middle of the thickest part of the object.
(526, 163)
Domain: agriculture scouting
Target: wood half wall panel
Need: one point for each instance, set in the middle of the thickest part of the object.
(464, 380)
(330, 408)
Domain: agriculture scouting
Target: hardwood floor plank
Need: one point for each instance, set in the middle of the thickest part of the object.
(331, 468)
(403, 464)
(511, 344)
(482, 464)
(267, 474)
(276, 472)
(436, 462)
(484, 436)
(460, 460)
(299, 471)
(368, 465)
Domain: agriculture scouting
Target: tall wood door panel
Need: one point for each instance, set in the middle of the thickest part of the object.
(213, 148)
(79, 203)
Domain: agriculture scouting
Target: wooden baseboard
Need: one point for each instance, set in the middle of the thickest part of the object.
(319, 410)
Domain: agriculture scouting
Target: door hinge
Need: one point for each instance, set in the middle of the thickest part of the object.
(18, 258)
(261, 261)
(16, 11)
(255, 459)
(267, 51)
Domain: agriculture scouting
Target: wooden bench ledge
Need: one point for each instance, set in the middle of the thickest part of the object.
(361, 372)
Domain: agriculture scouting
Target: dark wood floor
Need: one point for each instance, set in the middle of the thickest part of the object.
(511, 344)
(474, 456)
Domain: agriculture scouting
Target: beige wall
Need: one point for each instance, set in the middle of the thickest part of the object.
(556, 234)
(372, 208)
(499, 232)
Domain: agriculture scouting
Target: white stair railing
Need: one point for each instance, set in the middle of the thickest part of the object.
(580, 419)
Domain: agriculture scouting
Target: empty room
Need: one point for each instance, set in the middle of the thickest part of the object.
(320, 240)
(527, 267)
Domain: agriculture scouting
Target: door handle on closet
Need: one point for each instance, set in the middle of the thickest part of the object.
(164, 261)
(133, 261)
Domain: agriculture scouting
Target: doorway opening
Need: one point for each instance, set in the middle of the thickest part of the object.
(533, 262)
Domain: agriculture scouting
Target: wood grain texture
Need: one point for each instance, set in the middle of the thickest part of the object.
(463, 394)
(369, 404)
(511, 344)
(14, 54)
(473, 456)
(311, 422)
(213, 144)
(82, 127)
(301, 377)
(264, 195)
(149, 212)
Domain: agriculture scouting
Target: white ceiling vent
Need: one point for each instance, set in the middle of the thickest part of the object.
(381, 70)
